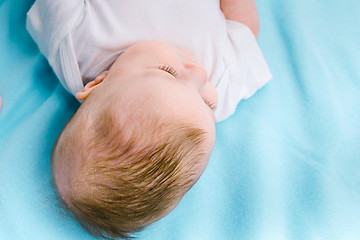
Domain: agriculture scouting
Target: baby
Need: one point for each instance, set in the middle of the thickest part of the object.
(153, 77)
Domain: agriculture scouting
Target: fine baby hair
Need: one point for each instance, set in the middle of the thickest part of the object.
(118, 173)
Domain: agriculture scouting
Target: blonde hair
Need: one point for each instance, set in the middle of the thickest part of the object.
(122, 173)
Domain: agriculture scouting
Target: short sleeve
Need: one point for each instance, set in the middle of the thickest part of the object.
(49, 23)
(246, 69)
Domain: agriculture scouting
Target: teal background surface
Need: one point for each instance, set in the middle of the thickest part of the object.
(286, 165)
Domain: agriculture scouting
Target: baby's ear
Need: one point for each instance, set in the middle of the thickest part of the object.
(90, 86)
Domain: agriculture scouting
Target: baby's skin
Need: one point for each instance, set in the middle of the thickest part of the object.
(161, 78)
(168, 80)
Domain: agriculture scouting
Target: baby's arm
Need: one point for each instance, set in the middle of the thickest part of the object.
(243, 11)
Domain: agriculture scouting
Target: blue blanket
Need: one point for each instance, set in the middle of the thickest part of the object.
(286, 165)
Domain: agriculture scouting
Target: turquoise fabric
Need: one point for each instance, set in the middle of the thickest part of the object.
(286, 165)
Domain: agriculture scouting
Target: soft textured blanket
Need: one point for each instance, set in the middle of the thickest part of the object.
(285, 166)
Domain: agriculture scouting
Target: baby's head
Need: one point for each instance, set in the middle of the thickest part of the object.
(139, 141)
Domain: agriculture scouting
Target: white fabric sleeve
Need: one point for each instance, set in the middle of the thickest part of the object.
(49, 23)
(247, 70)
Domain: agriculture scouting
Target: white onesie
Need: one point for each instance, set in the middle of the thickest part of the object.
(82, 38)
